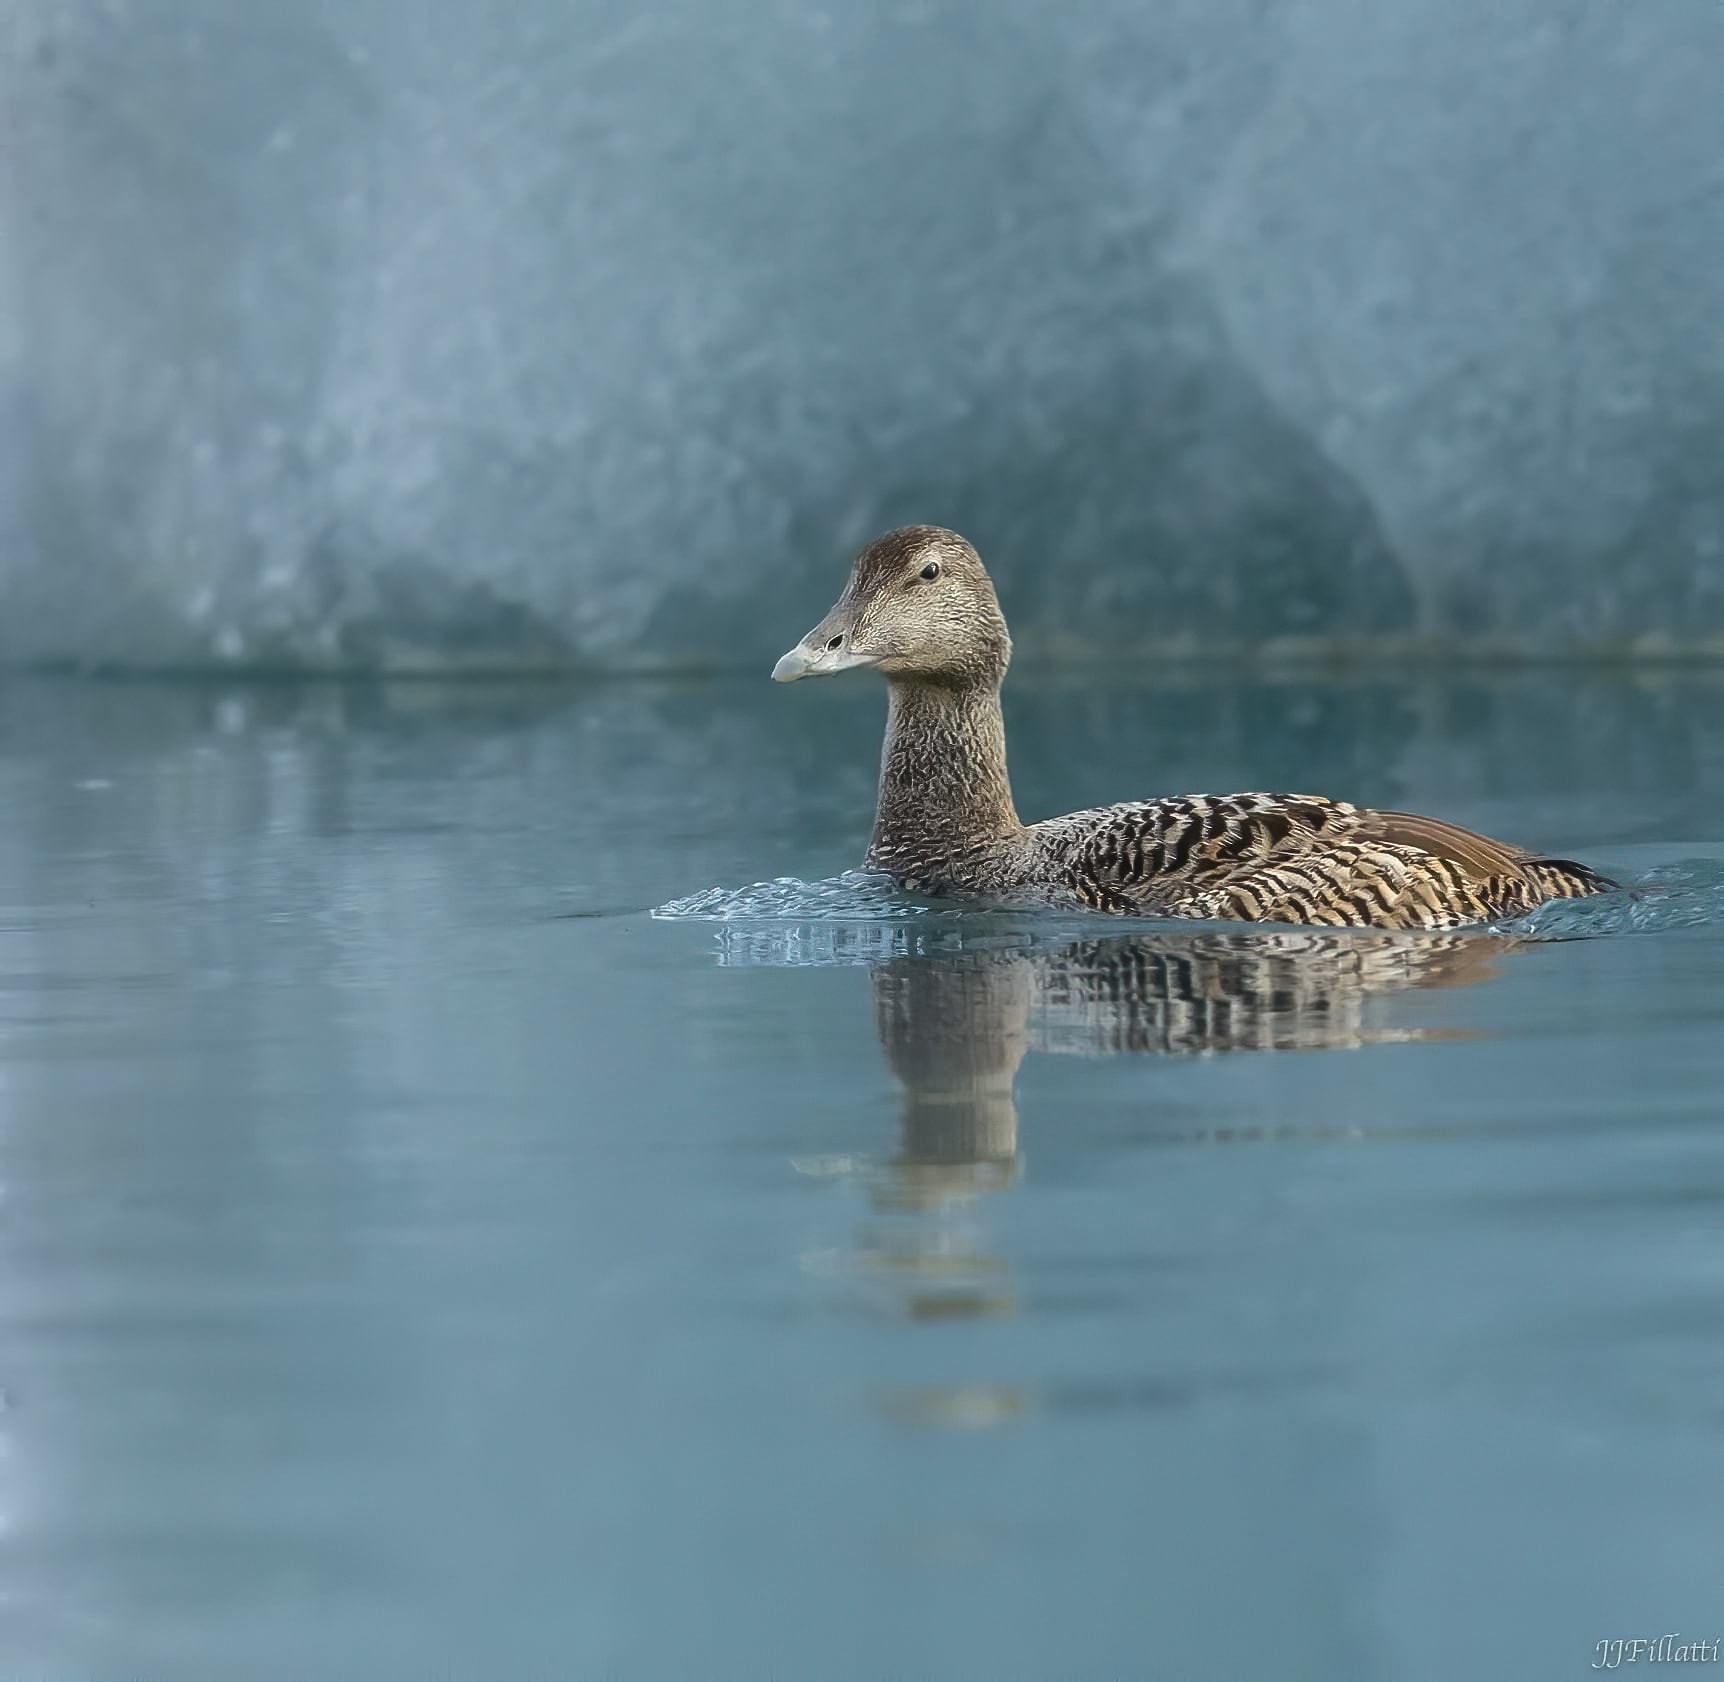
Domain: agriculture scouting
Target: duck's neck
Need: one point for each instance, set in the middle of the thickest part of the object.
(943, 782)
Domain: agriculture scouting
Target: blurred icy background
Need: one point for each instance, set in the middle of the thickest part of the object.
(342, 332)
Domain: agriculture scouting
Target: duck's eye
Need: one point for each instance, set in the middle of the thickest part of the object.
(931, 571)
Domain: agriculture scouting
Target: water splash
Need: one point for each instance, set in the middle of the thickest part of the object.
(856, 895)
(859, 917)
(1686, 894)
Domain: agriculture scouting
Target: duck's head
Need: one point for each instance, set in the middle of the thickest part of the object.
(920, 606)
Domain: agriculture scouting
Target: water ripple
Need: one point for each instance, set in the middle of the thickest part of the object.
(1683, 895)
(1686, 894)
(855, 896)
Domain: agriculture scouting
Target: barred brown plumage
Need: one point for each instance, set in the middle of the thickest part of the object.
(946, 823)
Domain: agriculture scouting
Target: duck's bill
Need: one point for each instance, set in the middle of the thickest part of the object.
(803, 661)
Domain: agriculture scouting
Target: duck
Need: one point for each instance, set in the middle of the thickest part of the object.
(920, 608)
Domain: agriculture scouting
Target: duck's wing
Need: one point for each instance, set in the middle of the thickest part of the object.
(1503, 878)
(1296, 858)
(1478, 855)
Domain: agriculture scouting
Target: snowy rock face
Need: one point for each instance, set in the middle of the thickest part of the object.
(348, 332)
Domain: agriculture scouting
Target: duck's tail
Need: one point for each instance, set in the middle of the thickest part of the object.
(1565, 879)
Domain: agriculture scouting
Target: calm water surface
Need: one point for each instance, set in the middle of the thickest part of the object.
(415, 1259)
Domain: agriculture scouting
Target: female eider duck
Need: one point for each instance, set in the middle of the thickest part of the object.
(920, 607)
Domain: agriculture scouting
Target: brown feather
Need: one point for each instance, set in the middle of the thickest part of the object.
(1477, 854)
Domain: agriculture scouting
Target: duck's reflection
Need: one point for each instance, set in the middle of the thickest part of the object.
(954, 1031)
(957, 1014)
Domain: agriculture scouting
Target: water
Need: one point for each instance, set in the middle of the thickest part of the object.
(417, 1259)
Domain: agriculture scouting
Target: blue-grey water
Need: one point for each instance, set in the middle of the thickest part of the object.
(418, 1259)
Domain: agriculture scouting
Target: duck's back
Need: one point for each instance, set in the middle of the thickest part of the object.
(1292, 858)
